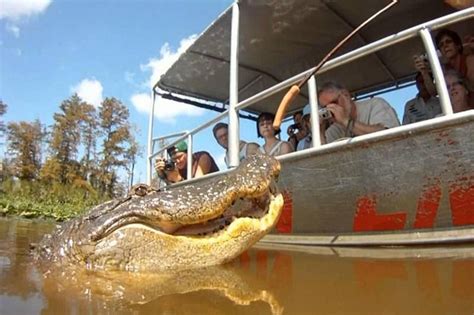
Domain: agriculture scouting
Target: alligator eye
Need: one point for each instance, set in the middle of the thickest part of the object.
(141, 190)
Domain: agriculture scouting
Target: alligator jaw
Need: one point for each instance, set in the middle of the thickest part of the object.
(137, 247)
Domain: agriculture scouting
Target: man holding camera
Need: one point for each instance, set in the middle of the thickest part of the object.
(305, 142)
(351, 118)
(297, 131)
(175, 170)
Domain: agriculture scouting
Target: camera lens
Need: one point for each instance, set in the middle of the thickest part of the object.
(324, 114)
(169, 165)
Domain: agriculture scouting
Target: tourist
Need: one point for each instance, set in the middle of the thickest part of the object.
(221, 131)
(175, 170)
(350, 118)
(273, 146)
(458, 92)
(424, 106)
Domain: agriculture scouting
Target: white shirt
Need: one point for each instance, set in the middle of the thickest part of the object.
(417, 109)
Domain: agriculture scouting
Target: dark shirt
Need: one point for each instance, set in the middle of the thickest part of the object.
(196, 157)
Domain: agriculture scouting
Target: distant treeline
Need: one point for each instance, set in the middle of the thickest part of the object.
(60, 170)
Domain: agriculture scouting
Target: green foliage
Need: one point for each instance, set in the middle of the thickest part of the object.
(24, 142)
(37, 199)
(117, 143)
(3, 110)
(65, 184)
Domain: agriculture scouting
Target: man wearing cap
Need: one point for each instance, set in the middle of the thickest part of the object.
(297, 131)
(306, 142)
(202, 163)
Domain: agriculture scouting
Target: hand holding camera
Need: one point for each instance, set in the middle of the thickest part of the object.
(166, 169)
(324, 114)
(293, 129)
(421, 62)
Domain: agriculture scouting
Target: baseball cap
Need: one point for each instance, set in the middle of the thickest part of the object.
(178, 147)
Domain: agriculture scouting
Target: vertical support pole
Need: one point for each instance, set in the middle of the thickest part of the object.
(149, 166)
(437, 71)
(234, 132)
(189, 160)
(313, 103)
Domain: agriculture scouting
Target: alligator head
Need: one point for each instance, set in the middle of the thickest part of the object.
(189, 226)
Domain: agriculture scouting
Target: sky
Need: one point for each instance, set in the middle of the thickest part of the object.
(51, 49)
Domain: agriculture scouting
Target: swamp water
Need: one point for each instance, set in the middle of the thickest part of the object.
(279, 280)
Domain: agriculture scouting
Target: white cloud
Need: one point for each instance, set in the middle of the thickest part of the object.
(167, 57)
(90, 91)
(167, 110)
(15, 30)
(16, 9)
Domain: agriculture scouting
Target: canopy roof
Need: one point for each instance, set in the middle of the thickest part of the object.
(279, 39)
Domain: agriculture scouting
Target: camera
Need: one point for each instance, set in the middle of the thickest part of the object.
(424, 57)
(292, 129)
(324, 113)
(169, 165)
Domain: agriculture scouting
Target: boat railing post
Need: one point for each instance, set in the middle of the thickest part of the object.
(437, 71)
(313, 103)
(189, 161)
(150, 139)
(233, 145)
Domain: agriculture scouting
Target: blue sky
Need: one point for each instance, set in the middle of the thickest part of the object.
(50, 49)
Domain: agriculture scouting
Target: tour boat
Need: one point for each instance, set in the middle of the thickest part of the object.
(412, 184)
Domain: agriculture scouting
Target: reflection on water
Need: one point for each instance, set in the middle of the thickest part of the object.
(305, 280)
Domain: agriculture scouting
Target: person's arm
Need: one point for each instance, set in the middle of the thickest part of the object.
(382, 116)
(343, 118)
(358, 128)
(286, 147)
(406, 115)
(423, 67)
(171, 176)
(470, 71)
(203, 165)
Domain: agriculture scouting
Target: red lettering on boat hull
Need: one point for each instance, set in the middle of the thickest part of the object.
(284, 224)
(367, 219)
(428, 206)
(461, 199)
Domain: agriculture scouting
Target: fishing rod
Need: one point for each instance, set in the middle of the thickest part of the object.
(295, 89)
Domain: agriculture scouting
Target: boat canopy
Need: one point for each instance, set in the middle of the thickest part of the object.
(280, 39)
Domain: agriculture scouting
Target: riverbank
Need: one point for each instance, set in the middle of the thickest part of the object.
(31, 209)
(55, 202)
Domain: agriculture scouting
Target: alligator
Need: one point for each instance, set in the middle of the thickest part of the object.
(186, 226)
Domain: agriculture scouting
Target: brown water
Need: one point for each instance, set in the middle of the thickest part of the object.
(434, 280)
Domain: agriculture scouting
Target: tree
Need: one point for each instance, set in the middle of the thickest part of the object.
(89, 133)
(3, 110)
(74, 122)
(24, 145)
(117, 141)
(131, 157)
